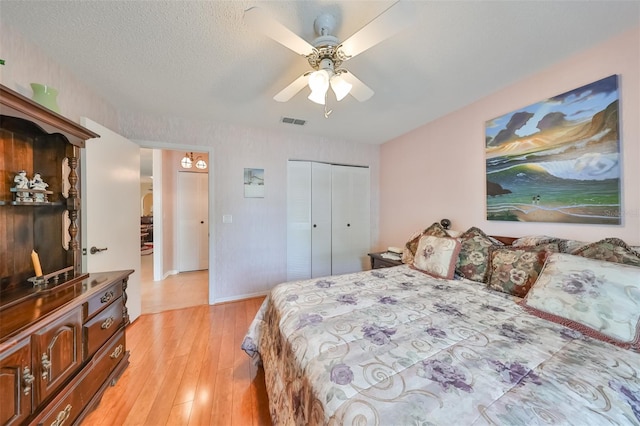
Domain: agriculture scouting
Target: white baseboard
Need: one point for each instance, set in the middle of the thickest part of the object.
(240, 297)
(169, 273)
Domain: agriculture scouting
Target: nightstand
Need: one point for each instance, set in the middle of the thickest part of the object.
(377, 261)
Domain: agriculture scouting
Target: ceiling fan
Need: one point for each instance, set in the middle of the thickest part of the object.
(326, 53)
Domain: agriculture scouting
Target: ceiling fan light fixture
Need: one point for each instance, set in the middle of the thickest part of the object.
(319, 84)
(318, 96)
(319, 81)
(340, 87)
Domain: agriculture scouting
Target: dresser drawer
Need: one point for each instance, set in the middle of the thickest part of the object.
(103, 365)
(64, 410)
(101, 327)
(102, 299)
(72, 401)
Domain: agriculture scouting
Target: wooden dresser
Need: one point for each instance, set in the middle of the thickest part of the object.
(61, 347)
(62, 339)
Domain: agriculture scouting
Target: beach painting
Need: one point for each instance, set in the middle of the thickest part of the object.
(557, 160)
(254, 183)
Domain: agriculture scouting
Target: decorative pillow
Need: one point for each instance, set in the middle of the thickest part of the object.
(474, 254)
(611, 250)
(570, 246)
(437, 256)
(596, 297)
(513, 270)
(412, 245)
(534, 240)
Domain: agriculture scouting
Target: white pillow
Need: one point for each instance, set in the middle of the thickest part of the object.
(437, 256)
(596, 297)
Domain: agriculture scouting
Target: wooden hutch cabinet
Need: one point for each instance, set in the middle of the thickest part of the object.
(62, 340)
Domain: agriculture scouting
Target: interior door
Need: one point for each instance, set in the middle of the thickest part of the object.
(110, 193)
(193, 221)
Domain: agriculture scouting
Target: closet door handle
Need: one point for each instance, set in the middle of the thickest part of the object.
(348, 224)
(315, 226)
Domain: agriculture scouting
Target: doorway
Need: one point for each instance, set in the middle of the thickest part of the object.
(163, 286)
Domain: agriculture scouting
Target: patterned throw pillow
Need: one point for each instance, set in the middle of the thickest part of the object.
(534, 240)
(611, 250)
(571, 246)
(474, 254)
(412, 245)
(437, 256)
(513, 270)
(596, 297)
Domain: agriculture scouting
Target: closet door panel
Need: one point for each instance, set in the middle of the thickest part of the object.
(361, 213)
(298, 220)
(320, 219)
(350, 219)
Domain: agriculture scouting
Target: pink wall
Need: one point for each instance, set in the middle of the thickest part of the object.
(438, 170)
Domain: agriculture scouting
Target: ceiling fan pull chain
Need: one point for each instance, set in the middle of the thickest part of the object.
(327, 111)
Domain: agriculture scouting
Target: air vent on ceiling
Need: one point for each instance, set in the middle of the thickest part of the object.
(296, 121)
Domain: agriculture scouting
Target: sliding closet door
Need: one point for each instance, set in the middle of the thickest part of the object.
(320, 220)
(298, 220)
(328, 222)
(350, 219)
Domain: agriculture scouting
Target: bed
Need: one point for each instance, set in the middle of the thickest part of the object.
(400, 346)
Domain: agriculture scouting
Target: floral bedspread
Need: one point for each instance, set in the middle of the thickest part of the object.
(397, 347)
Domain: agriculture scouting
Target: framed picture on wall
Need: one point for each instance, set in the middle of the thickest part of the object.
(557, 160)
(254, 183)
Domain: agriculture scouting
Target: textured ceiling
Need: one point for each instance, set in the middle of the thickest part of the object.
(200, 60)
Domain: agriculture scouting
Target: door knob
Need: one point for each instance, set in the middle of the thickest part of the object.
(94, 250)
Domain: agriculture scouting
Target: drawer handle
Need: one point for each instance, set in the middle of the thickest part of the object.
(46, 365)
(62, 416)
(27, 380)
(107, 323)
(117, 352)
(107, 296)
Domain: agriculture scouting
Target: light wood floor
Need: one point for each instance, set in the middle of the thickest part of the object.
(174, 292)
(187, 368)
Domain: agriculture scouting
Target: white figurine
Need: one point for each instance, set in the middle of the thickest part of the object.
(22, 182)
(39, 184)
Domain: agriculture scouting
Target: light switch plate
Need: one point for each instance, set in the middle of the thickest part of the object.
(227, 218)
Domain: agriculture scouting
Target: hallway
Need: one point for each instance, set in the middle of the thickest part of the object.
(175, 292)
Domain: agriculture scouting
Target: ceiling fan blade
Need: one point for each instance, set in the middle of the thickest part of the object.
(389, 23)
(359, 90)
(262, 22)
(290, 91)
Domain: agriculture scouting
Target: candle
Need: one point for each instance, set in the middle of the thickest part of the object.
(36, 263)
